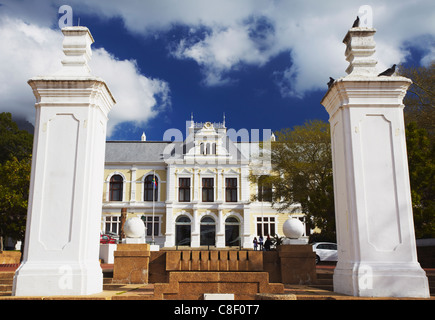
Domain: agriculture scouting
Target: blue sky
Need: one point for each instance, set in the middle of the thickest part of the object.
(265, 64)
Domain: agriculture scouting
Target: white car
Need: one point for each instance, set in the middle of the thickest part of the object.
(325, 251)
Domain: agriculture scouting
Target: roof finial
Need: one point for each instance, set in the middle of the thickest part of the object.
(144, 137)
(224, 120)
(191, 119)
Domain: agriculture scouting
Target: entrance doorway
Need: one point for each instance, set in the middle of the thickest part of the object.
(182, 231)
(208, 231)
(232, 232)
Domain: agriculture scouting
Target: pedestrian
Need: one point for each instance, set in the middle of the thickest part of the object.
(255, 243)
(267, 243)
(261, 242)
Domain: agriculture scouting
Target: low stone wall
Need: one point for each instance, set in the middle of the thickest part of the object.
(192, 260)
(291, 264)
(10, 257)
(131, 263)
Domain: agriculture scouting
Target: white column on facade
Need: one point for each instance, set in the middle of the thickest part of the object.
(244, 183)
(64, 211)
(196, 185)
(170, 184)
(246, 228)
(220, 229)
(133, 185)
(170, 227)
(220, 185)
(375, 231)
(195, 231)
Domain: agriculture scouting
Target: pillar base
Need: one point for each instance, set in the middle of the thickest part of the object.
(131, 263)
(381, 280)
(298, 264)
(57, 279)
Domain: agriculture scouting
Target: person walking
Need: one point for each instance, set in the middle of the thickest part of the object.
(261, 243)
(255, 243)
(267, 243)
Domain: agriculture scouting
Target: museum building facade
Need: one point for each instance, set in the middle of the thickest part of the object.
(193, 192)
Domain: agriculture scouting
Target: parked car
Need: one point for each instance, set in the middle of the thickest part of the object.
(104, 238)
(325, 251)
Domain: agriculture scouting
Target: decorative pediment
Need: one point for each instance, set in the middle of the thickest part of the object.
(208, 171)
(185, 171)
(231, 171)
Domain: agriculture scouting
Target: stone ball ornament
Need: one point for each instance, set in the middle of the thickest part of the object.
(293, 228)
(134, 228)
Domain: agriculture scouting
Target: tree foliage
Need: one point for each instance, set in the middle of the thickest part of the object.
(301, 158)
(14, 193)
(420, 139)
(13, 141)
(15, 164)
(420, 98)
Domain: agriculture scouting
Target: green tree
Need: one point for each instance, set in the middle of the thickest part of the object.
(15, 163)
(14, 193)
(13, 141)
(420, 139)
(301, 159)
(421, 155)
(420, 98)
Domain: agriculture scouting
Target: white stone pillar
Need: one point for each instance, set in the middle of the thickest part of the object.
(246, 228)
(133, 185)
(196, 229)
(64, 212)
(220, 232)
(170, 227)
(375, 232)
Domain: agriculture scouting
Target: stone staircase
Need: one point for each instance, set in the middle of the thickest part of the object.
(325, 280)
(192, 286)
(213, 283)
(6, 280)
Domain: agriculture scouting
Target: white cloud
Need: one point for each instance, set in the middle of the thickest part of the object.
(138, 98)
(26, 51)
(231, 34)
(310, 31)
(29, 50)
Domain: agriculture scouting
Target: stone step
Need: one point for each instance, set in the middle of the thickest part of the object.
(7, 275)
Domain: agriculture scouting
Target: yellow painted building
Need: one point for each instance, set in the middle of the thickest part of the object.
(197, 191)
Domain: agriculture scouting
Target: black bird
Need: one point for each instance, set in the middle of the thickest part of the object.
(331, 81)
(356, 23)
(389, 72)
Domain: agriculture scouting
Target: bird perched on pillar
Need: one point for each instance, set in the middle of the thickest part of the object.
(331, 81)
(356, 23)
(389, 72)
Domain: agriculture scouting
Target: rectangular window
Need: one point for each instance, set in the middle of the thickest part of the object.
(231, 189)
(207, 189)
(112, 224)
(264, 190)
(148, 220)
(266, 226)
(184, 190)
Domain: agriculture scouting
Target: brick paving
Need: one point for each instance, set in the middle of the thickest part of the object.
(320, 291)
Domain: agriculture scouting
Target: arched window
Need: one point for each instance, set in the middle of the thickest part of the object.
(208, 231)
(116, 188)
(232, 232)
(151, 188)
(201, 148)
(182, 231)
